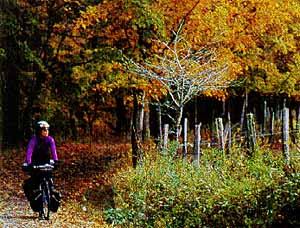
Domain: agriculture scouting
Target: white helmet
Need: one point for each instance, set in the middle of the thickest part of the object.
(42, 124)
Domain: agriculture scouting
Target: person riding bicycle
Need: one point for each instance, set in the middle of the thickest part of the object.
(38, 148)
(37, 153)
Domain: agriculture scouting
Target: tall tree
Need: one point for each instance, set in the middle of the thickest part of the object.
(68, 53)
(9, 113)
(71, 54)
(184, 72)
(259, 39)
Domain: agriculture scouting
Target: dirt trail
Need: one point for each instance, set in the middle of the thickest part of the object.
(15, 212)
(84, 186)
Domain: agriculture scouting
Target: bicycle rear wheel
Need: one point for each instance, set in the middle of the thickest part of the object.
(46, 201)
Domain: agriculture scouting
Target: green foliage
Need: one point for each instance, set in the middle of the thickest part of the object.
(226, 191)
(145, 16)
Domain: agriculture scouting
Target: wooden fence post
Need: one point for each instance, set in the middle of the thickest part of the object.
(197, 143)
(285, 134)
(166, 135)
(298, 126)
(134, 135)
(160, 131)
(265, 117)
(220, 133)
(229, 133)
(251, 134)
(272, 127)
(146, 131)
(277, 111)
(244, 110)
(185, 138)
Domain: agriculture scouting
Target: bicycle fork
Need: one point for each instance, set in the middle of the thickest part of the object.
(45, 199)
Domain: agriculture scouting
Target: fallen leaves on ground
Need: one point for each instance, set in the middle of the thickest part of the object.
(84, 180)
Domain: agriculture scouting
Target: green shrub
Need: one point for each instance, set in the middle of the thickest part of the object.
(225, 191)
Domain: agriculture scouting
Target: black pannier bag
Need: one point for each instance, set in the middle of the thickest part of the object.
(54, 201)
(36, 201)
(30, 187)
(27, 189)
(34, 196)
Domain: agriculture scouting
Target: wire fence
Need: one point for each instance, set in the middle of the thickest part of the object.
(212, 139)
(252, 135)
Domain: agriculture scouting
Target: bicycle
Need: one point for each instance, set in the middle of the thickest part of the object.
(43, 173)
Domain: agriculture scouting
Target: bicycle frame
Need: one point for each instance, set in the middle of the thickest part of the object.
(45, 207)
(44, 175)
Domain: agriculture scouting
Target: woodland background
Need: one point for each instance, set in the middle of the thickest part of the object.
(63, 61)
(66, 61)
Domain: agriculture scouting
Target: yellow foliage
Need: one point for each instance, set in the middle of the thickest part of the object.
(248, 35)
(251, 34)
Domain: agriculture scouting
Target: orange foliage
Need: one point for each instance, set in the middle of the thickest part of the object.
(259, 40)
(252, 35)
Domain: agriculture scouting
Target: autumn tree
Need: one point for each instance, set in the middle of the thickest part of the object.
(9, 74)
(184, 72)
(100, 37)
(258, 38)
(69, 57)
(66, 55)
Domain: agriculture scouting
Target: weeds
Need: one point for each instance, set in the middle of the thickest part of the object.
(225, 191)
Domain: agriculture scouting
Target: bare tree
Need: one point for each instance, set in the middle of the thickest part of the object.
(184, 72)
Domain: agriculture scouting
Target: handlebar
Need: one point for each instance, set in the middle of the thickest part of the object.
(43, 168)
(46, 167)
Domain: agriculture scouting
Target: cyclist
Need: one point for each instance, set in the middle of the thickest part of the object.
(37, 153)
(38, 148)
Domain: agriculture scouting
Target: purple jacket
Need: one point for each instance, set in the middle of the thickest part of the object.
(38, 150)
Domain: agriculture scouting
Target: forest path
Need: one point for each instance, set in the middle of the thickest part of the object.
(84, 180)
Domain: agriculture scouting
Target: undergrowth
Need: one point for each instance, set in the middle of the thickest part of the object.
(235, 190)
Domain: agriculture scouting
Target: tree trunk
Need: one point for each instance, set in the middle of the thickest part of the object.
(244, 110)
(197, 145)
(178, 122)
(251, 133)
(140, 117)
(264, 124)
(196, 110)
(160, 130)
(146, 132)
(298, 124)
(272, 127)
(2, 76)
(185, 138)
(122, 124)
(1, 109)
(220, 133)
(73, 128)
(136, 151)
(285, 134)
(291, 123)
(11, 97)
(2, 80)
(9, 113)
(165, 138)
(229, 133)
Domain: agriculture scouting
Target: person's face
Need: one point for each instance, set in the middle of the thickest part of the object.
(45, 132)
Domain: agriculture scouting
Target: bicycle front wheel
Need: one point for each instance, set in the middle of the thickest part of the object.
(46, 201)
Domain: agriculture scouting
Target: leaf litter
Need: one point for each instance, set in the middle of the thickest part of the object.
(84, 181)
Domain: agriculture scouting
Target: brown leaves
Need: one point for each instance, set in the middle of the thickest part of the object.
(84, 180)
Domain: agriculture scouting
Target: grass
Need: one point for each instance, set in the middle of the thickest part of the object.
(225, 191)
